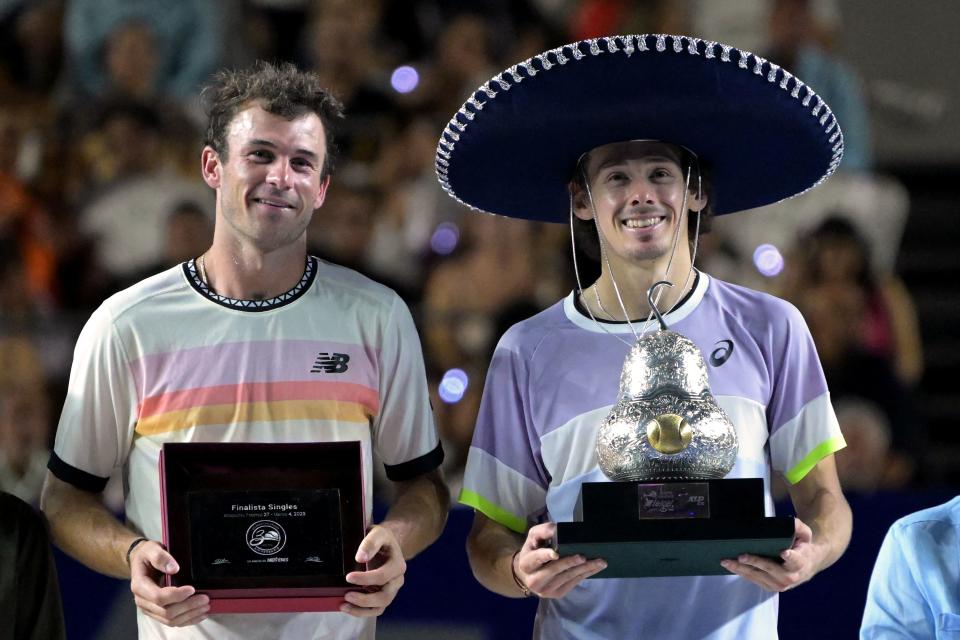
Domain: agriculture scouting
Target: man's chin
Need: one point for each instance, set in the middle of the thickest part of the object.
(647, 254)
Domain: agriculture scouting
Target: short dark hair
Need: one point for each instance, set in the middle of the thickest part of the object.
(282, 90)
(585, 231)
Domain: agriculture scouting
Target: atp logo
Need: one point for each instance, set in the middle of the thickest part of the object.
(330, 363)
(722, 353)
(266, 537)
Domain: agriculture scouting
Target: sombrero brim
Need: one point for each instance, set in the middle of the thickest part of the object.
(513, 146)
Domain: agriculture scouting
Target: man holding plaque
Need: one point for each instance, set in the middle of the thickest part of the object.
(635, 141)
(252, 342)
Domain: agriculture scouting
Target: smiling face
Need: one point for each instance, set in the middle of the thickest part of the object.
(637, 190)
(270, 181)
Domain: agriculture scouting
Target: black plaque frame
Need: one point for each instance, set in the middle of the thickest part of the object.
(264, 467)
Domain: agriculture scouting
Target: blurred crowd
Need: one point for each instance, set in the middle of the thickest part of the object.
(100, 129)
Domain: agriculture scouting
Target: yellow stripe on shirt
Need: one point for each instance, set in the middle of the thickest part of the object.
(246, 412)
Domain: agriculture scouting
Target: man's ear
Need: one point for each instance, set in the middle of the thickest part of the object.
(321, 193)
(695, 203)
(210, 167)
(581, 202)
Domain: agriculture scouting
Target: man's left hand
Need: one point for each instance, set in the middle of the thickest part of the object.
(381, 550)
(800, 563)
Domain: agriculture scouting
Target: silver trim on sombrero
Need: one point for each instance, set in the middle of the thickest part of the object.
(628, 45)
(787, 76)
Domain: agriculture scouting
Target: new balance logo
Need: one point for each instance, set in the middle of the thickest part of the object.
(330, 363)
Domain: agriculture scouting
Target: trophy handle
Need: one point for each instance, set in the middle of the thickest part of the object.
(653, 306)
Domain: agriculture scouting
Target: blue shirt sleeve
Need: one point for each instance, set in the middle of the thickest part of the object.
(897, 603)
(915, 587)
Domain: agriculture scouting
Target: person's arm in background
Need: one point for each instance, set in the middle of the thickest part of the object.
(907, 346)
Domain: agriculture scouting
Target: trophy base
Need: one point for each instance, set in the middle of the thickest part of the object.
(683, 548)
(615, 523)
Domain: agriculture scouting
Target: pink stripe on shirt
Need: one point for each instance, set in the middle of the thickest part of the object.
(260, 392)
(233, 363)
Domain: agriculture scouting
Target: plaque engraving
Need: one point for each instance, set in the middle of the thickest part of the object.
(265, 533)
(674, 500)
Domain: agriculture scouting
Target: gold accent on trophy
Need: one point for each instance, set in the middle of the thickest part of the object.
(669, 433)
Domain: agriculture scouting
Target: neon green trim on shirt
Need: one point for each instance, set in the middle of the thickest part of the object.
(822, 450)
(492, 511)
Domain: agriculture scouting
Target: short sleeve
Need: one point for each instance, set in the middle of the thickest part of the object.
(505, 478)
(895, 605)
(99, 413)
(803, 425)
(405, 431)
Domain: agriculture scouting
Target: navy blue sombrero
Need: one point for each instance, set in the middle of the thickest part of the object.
(514, 145)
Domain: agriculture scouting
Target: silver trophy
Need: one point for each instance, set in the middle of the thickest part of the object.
(666, 424)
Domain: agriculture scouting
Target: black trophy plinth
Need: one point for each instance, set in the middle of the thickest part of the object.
(264, 527)
(677, 528)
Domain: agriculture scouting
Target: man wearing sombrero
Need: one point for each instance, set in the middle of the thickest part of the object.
(638, 138)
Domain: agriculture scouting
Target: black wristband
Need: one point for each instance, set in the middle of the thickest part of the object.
(133, 545)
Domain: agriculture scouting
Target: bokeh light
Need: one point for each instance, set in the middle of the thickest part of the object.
(445, 238)
(768, 260)
(404, 79)
(453, 385)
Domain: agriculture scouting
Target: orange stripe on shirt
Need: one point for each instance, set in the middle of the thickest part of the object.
(247, 392)
(246, 412)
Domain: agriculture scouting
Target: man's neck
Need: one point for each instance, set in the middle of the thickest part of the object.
(633, 281)
(242, 272)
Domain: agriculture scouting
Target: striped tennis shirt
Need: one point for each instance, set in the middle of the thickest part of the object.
(336, 358)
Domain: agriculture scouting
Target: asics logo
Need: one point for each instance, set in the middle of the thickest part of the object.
(722, 353)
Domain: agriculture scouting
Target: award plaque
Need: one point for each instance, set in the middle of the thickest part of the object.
(666, 445)
(264, 527)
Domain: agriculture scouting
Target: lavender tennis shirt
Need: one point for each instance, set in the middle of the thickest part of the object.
(553, 379)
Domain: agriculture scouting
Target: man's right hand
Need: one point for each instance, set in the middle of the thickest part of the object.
(173, 606)
(544, 572)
